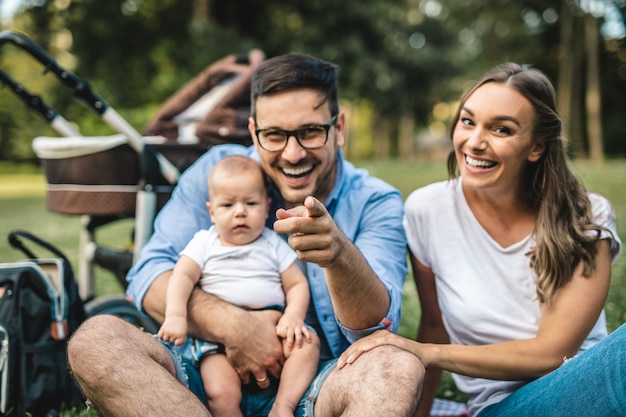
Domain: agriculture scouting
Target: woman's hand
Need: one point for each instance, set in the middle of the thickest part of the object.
(378, 338)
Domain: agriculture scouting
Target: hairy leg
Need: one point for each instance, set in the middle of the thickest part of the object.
(386, 381)
(222, 385)
(126, 372)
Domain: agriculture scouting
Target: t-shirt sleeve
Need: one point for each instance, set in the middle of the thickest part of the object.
(413, 217)
(285, 254)
(197, 247)
(604, 215)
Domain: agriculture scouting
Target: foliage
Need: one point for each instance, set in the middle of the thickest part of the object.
(613, 102)
(403, 56)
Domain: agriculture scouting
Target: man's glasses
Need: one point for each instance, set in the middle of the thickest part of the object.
(308, 137)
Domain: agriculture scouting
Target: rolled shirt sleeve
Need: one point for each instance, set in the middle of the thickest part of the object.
(370, 213)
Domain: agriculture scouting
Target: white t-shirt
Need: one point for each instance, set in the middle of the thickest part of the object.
(248, 275)
(486, 292)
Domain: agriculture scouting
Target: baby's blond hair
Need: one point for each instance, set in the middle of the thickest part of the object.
(235, 164)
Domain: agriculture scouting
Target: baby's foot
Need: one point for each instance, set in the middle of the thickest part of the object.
(281, 411)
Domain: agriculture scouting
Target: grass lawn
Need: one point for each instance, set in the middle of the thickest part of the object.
(22, 206)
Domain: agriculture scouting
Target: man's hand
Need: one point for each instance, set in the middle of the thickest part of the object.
(253, 348)
(314, 234)
(360, 300)
(249, 337)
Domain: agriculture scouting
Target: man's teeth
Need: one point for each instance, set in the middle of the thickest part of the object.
(479, 163)
(294, 172)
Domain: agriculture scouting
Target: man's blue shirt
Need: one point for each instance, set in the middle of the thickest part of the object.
(366, 209)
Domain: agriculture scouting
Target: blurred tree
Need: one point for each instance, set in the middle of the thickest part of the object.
(591, 55)
(592, 92)
(399, 59)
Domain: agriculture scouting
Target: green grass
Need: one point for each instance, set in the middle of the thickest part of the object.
(29, 213)
(22, 205)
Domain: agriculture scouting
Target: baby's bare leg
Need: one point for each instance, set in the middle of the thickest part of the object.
(298, 371)
(222, 386)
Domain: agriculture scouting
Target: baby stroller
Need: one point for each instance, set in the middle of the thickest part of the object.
(131, 175)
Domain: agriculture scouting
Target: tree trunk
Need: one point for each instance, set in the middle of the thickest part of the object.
(577, 106)
(566, 69)
(201, 12)
(593, 96)
(570, 79)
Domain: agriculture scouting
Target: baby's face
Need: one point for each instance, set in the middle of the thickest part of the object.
(238, 207)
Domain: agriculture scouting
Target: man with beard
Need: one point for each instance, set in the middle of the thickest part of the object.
(346, 228)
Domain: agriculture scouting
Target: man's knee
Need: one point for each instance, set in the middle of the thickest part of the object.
(90, 334)
(385, 379)
(96, 343)
(403, 368)
(388, 363)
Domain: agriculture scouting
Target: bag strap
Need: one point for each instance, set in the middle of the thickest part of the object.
(59, 305)
(16, 242)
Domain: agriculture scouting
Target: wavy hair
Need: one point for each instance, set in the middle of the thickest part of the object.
(565, 234)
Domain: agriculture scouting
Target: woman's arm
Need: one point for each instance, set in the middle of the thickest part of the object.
(430, 330)
(563, 327)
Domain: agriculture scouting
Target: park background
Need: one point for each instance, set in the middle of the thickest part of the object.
(404, 65)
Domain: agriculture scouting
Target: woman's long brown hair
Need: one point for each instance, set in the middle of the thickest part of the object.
(565, 234)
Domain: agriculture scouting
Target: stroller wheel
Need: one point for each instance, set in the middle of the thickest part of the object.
(119, 306)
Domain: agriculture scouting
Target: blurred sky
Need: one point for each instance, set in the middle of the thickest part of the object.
(7, 8)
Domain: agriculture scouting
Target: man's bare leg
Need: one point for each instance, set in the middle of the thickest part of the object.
(386, 381)
(126, 372)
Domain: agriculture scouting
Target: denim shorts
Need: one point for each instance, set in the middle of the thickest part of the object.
(256, 402)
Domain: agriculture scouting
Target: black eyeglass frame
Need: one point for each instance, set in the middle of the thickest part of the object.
(295, 133)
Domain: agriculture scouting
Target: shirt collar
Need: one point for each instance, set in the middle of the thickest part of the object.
(339, 179)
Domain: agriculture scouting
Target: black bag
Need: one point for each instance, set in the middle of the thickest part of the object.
(39, 309)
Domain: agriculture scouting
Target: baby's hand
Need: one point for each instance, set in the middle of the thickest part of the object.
(293, 330)
(174, 330)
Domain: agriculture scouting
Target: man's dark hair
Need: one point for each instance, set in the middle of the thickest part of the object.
(292, 71)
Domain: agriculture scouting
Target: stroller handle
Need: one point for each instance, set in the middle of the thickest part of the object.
(33, 101)
(83, 91)
(80, 88)
(37, 104)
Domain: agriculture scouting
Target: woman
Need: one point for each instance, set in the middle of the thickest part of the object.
(512, 261)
